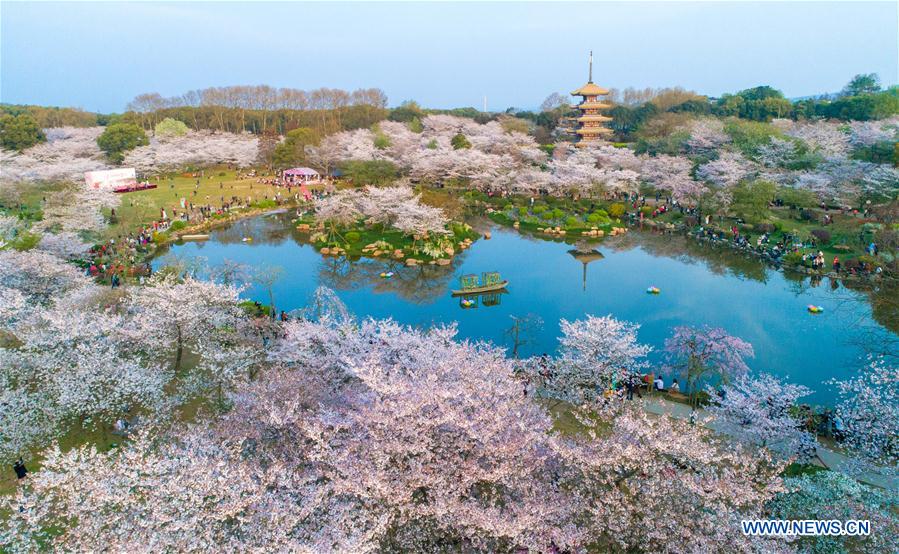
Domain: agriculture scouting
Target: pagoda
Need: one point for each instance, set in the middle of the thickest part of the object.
(590, 126)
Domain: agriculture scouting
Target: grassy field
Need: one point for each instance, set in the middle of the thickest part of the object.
(216, 186)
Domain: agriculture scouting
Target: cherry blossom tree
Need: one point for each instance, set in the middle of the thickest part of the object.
(415, 218)
(325, 308)
(195, 148)
(706, 136)
(707, 351)
(65, 245)
(672, 174)
(67, 154)
(827, 137)
(39, 276)
(757, 411)
(171, 314)
(338, 210)
(76, 208)
(67, 366)
(777, 153)
(729, 169)
(828, 495)
(594, 353)
(377, 204)
(868, 133)
(412, 442)
(869, 411)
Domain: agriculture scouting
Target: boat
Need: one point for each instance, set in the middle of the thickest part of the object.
(488, 282)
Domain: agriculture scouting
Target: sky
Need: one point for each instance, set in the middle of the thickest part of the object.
(98, 56)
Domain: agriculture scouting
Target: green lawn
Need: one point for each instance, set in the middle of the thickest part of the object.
(142, 207)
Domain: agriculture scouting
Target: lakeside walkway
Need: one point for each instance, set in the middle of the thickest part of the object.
(826, 457)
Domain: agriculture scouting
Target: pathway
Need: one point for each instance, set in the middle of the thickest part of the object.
(825, 456)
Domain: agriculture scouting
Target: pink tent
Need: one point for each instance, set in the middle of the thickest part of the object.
(300, 175)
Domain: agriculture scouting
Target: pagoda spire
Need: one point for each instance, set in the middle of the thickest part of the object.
(590, 77)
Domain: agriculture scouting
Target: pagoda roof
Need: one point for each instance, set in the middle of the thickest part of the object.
(593, 106)
(590, 89)
(593, 130)
(594, 117)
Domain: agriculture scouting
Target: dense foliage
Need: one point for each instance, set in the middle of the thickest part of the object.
(18, 132)
(119, 138)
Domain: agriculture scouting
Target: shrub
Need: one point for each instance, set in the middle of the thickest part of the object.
(572, 221)
(647, 210)
(749, 135)
(382, 141)
(866, 259)
(539, 209)
(617, 210)
(522, 211)
(169, 127)
(792, 259)
(415, 125)
(822, 236)
(264, 204)
(558, 213)
(25, 241)
(177, 226)
(120, 138)
(598, 217)
(353, 237)
(460, 230)
(20, 132)
(375, 172)
(460, 141)
(546, 215)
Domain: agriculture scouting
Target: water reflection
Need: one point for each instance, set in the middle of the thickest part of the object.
(557, 279)
(421, 284)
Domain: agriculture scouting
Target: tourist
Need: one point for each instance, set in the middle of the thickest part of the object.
(675, 387)
(20, 469)
(659, 384)
(836, 264)
(631, 384)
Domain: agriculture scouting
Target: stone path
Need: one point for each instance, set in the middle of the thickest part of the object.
(825, 457)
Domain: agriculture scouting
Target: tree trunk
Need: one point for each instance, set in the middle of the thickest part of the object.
(180, 352)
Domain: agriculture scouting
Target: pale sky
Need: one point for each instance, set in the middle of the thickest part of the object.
(99, 56)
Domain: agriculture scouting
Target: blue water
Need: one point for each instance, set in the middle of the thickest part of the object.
(760, 305)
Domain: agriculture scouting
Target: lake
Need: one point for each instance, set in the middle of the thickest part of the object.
(699, 285)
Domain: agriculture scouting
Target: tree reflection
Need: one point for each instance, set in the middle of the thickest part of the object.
(419, 284)
(719, 260)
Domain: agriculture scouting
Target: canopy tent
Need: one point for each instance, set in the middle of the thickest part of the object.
(300, 175)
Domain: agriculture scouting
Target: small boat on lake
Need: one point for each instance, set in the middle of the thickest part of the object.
(488, 282)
